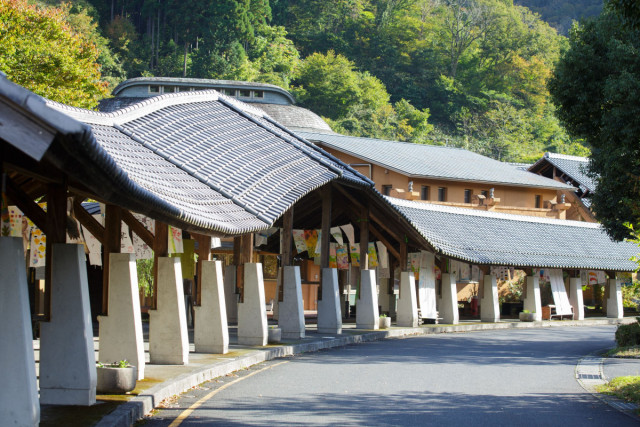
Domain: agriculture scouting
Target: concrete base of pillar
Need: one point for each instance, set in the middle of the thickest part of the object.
(291, 309)
(121, 330)
(449, 301)
(211, 332)
(489, 306)
(614, 302)
(252, 313)
(168, 339)
(329, 313)
(367, 315)
(407, 303)
(67, 358)
(230, 295)
(19, 404)
(532, 301)
(575, 298)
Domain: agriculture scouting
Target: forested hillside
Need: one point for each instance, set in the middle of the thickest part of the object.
(468, 73)
(560, 14)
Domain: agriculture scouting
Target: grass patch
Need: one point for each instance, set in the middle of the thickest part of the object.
(625, 388)
(631, 352)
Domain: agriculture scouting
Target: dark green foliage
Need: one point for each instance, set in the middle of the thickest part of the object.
(561, 14)
(597, 88)
(628, 335)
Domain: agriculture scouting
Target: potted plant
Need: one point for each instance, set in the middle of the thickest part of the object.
(116, 378)
(527, 316)
(384, 322)
(275, 334)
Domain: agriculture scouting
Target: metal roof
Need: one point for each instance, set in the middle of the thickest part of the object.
(436, 162)
(481, 237)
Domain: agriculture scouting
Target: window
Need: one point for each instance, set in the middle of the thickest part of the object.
(169, 89)
(154, 89)
(386, 190)
(229, 92)
(538, 201)
(245, 93)
(442, 194)
(258, 94)
(467, 196)
(424, 192)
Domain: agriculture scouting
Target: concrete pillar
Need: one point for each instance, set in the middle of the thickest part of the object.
(168, 339)
(121, 330)
(329, 314)
(407, 303)
(614, 302)
(449, 301)
(532, 301)
(291, 309)
(367, 315)
(252, 313)
(67, 357)
(575, 298)
(211, 332)
(19, 404)
(489, 306)
(230, 295)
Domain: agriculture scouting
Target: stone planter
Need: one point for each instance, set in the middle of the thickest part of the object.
(384, 322)
(527, 317)
(275, 335)
(116, 380)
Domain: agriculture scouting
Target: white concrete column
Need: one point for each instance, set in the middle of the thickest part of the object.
(230, 295)
(252, 313)
(67, 357)
(168, 339)
(367, 315)
(407, 303)
(291, 309)
(211, 332)
(489, 306)
(614, 302)
(19, 405)
(575, 298)
(532, 301)
(329, 313)
(449, 301)
(121, 330)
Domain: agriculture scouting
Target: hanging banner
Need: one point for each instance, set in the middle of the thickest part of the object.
(336, 232)
(311, 239)
(383, 255)
(38, 245)
(348, 231)
(317, 251)
(126, 244)
(175, 241)
(298, 240)
(414, 263)
(354, 251)
(15, 218)
(333, 261)
(373, 255)
(342, 257)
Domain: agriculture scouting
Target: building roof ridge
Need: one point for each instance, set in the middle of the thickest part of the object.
(551, 155)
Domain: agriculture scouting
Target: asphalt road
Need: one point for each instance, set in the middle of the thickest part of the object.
(492, 378)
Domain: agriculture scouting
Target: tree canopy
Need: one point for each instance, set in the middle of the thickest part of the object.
(597, 89)
(40, 50)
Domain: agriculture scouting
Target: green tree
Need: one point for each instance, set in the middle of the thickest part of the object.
(40, 50)
(596, 86)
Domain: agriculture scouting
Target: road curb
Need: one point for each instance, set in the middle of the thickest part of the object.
(129, 413)
(590, 374)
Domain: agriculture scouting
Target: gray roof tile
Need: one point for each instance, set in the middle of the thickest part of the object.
(437, 162)
(573, 166)
(481, 237)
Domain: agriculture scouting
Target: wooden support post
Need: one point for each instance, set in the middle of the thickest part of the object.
(364, 239)
(204, 254)
(403, 255)
(245, 256)
(326, 233)
(237, 249)
(111, 244)
(286, 240)
(160, 249)
(56, 232)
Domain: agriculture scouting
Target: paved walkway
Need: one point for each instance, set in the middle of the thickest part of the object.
(162, 382)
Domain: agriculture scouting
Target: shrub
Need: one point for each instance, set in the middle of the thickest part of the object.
(627, 335)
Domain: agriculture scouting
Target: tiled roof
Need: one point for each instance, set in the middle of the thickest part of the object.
(109, 105)
(437, 162)
(196, 160)
(573, 166)
(295, 118)
(481, 237)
